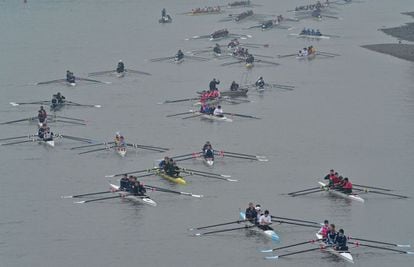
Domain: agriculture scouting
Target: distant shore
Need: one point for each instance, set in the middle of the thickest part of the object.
(403, 51)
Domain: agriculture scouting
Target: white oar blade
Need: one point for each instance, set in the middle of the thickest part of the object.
(410, 252)
(272, 257)
(262, 159)
(80, 202)
(403, 246)
(232, 180)
(225, 175)
(267, 250)
(110, 176)
(14, 104)
(198, 234)
(66, 196)
(97, 106)
(199, 196)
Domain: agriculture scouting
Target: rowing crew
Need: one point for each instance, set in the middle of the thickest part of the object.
(255, 215)
(318, 5)
(332, 238)
(339, 183)
(208, 152)
(132, 185)
(310, 32)
(169, 166)
(306, 51)
(206, 9)
(44, 133)
(212, 110)
(119, 140)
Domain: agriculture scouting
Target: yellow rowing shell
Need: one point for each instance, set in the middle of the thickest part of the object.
(177, 180)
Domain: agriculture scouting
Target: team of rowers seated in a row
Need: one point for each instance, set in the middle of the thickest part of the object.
(332, 238)
(132, 185)
(211, 110)
(318, 5)
(339, 183)
(169, 166)
(310, 32)
(206, 9)
(307, 51)
(44, 133)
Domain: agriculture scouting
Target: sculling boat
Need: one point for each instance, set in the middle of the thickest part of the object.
(337, 193)
(213, 117)
(137, 199)
(268, 233)
(308, 56)
(239, 92)
(346, 255)
(50, 143)
(177, 180)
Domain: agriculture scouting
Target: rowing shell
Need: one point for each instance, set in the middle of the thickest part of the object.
(309, 56)
(268, 233)
(299, 35)
(337, 193)
(346, 255)
(50, 143)
(137, 199)
(177, 180)
(214, 118)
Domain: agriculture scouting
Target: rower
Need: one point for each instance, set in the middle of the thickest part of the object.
(260, 83)
(173, 169)
(259, 212)
(265, 220)
(163, 163)
(305, 51)
(59, 97)
(324, 229)
(340, 243)
(42, 115)
(47, 135)
(206, 146)
(217, 49)
(208, 153)
(218, 112)
(250, 58)
(318, 33)
(329, 175)
(213, 84)
(331, 235)
(70, 78)
(234, 86)
(163, 13)
(117, 138)
(121, 67)
(124, 184)
(121, 141)
(179, 55)
(137, 189)
(42, 130)
(346, 186)
(267, 24)
(251, 213)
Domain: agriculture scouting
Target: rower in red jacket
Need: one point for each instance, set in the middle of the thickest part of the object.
(347, 186)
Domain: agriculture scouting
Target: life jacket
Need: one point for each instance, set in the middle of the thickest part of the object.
(324, 231)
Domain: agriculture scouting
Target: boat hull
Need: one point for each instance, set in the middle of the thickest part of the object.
(215, 118)
(355, 197)
(121, 151)
(345, 255)
(177, 180)
(136, 199)
(270, 234)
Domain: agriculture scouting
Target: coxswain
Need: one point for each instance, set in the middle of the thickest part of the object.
(218, 112)
(346, 186)
(324, 229)
(341, 241)
(260, 83)
(120, 68)
(42, 130)
(250, 59)
(47, 135)
(213, 84)
(163, 163)
(251, 213)
(42, 115)
(331, 235)
(234, 86)
(217, 49)
(265, 220)
(179, 55)
(70, 78)
(124, 184)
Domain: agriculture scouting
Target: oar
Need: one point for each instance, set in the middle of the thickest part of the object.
(25, 119)
(19, 142)
(293, 223)
(70, 122)
(210, 173)
(243, 116)
(290, 55)
(242, 157)
(231, 63)
(161, 59)
(267, 62)
(328, 53)
(97, 199)
(183, 159)
(215, 225)
(288, 254)
(197, 58)
(14, 104)
(295, 220)
(131, 172)
(211, 176)
(289, 246)
(87, 194)
(307, 193)
(17, 137)
(225, 230)
(241, 154)
(380, 193)
(69, 118)
(384, 248)
(180, 100)
(81, 139)
(304, 190)
(138, 72)
(178, 114)
(52, 81)
(186, 155)
(155, 147)
(82, 105)
(380, 242)
(145, 148)
(100, 72)
(193, 116)
(95, 150)
(171, 191)
(104, 143)
(372, 187)
(92, 80)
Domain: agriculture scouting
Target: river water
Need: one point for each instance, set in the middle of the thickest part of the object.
(353, 113)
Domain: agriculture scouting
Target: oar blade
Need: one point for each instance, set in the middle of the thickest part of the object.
(272, 257)
(267, 250)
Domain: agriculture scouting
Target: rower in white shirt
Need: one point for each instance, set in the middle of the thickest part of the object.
(265, 220)
(218, 112)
